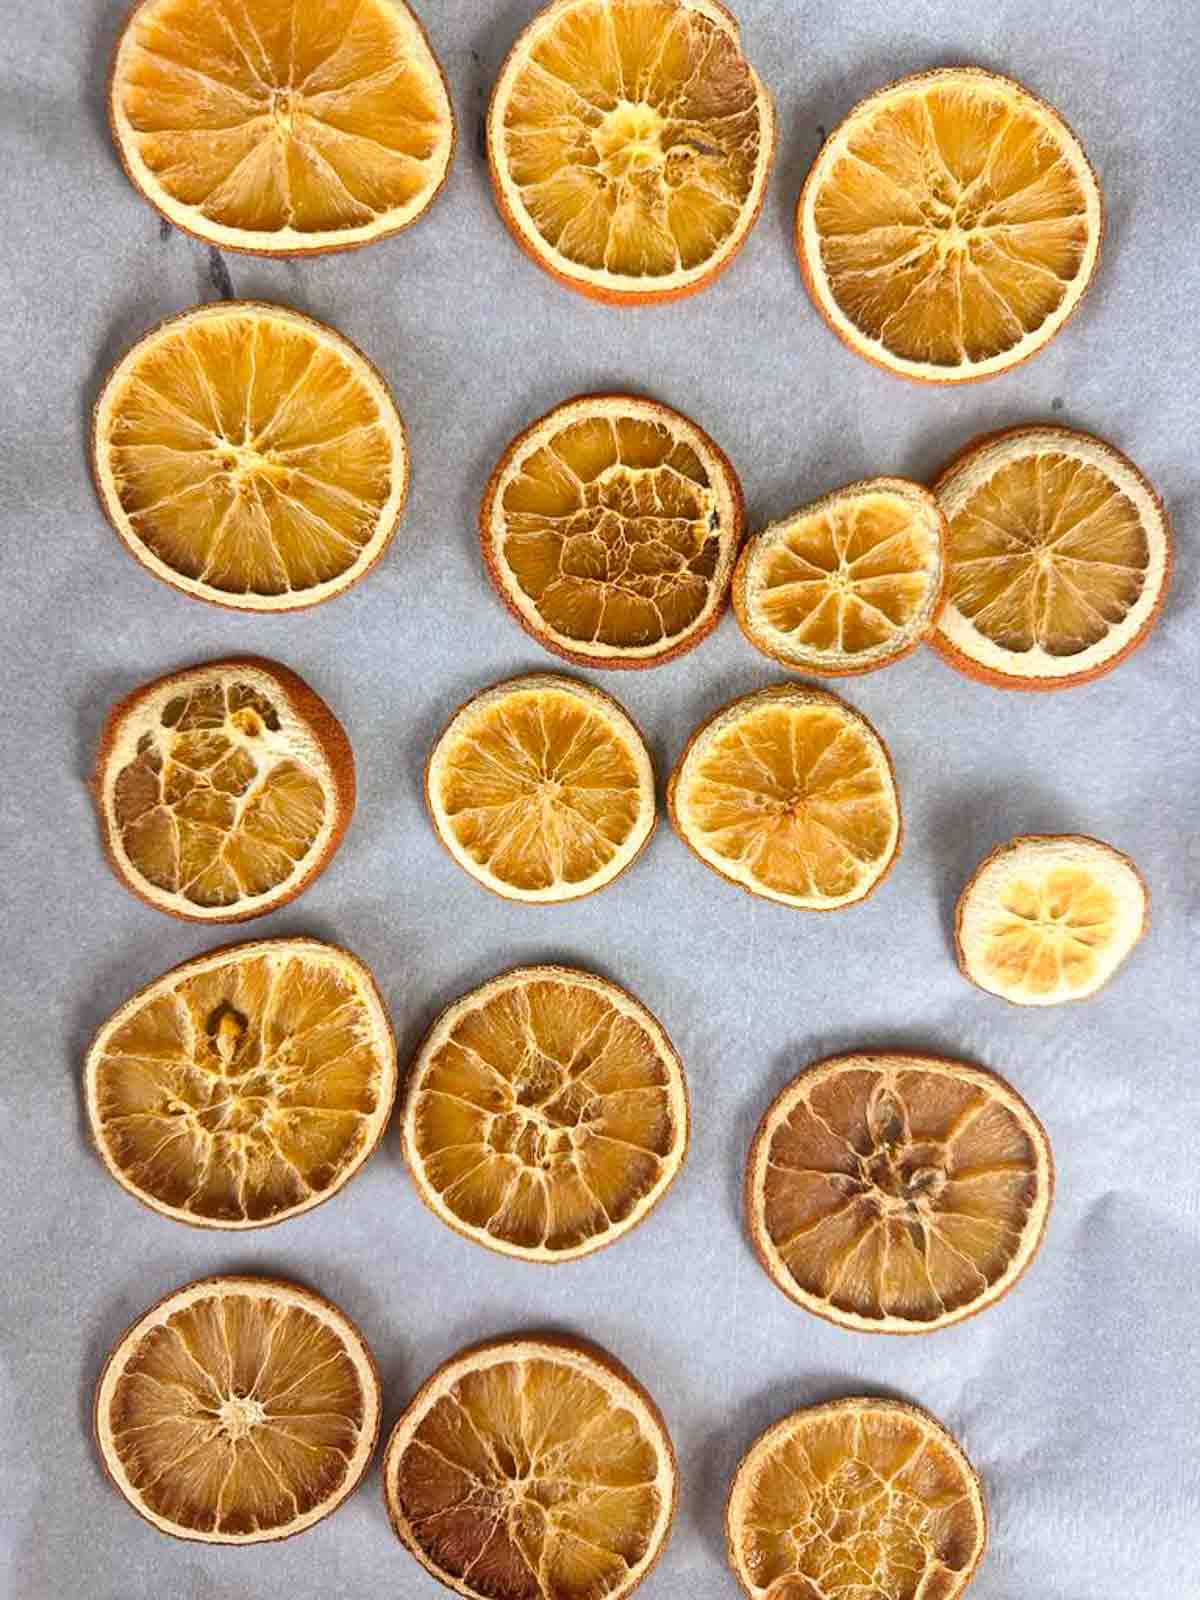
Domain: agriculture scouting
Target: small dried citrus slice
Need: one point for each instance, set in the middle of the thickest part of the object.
(530, 1467)
(1059, 554)
(857, 1497)
(789, 792)
(630, 143)
(892, 1193)
(848, 584)
(610, 528)
(246, 1086)
(238, 1410)
(949, 226)
(541, 788)
(250, 456)
(278, 126)
(1049, 918)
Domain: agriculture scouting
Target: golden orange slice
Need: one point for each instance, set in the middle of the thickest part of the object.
(250, 456)
(531, 1467)
(950, 226)
(238, 1410)
(630, 143)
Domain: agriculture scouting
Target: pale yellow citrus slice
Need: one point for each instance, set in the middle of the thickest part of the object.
(238, 1410)
(950, 225)
(281, 127)
(250, 456)
(630, 143)
(532, 1467)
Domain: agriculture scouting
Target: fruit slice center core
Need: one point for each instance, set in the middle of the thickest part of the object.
(240, 1415)
(629, 139)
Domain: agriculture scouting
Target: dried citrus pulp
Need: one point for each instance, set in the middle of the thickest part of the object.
(532, 1468)
(949, 226)
(541, 788)
(610, 528)
(279, 126)
(1059, 553)
(243, 1087)
(858, 1499)
(896, 1194)
(238, 1410)
(630, 143)
(1049, 918)
(789, 792)
(848, 584)
(250, 456)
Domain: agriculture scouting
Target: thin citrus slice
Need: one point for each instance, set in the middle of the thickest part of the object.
(250, 456)
(610, 528)
(246, 1086)
(857, 1499)
(238, 1410)
(541, 788)
(848, 584)
(892, 1193)
(279, 126)
(630, 143)
(949, 226)
(790, 793)
(532, 1467)
(1059, 555)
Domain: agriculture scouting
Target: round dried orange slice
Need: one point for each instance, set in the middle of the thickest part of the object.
(789, 793)
(1049, 918)
(949, 226)
(238, 1410)
(610, 528)
(244, 1087)
(529, 1467)
(278, 126)
(895, 1193)
(541, 788)
(250, 456)
(848, 584)
(630, 143)
(857, 1497)
(1059, 554)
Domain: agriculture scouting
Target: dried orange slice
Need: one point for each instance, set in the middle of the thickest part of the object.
(238, 1410)
(789, 793)
(893, 1193)
(246, 1086)
(278, 126)
(949, 226)
(530, 1467)
(541, 788)
(610, 528)
(250, 456)
(848, 584)
(857, 1497)
(1059, 554)
(630, 143)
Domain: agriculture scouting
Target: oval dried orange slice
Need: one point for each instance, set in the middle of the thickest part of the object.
(949, 226)
(238, 1410)
(610, 528)
(278, 126)
(848, 584)
(529, 1467)
(893, 1193)
(250, 456)
(630, 143)
(1060, 557)
(246, 1086)
(541, 788)
(1049, 918)
(790, 793)
(857, 1497)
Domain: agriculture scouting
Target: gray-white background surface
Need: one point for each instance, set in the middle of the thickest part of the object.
(1077, 1397)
